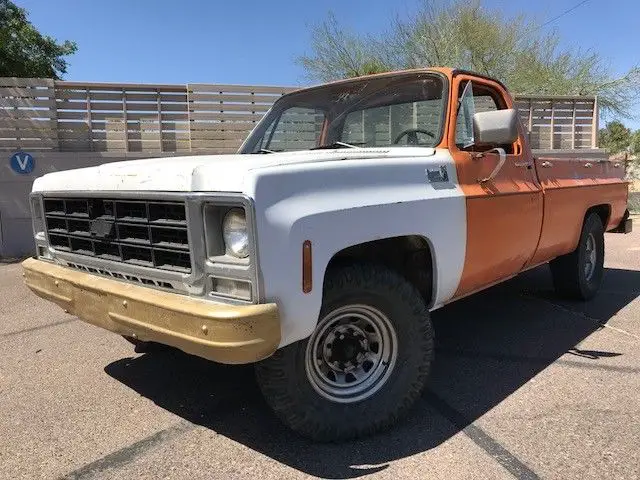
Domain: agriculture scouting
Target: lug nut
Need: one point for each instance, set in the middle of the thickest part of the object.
(124, 303)
(205, 329)
(56, 283)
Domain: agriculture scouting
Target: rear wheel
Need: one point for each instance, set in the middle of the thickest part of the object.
(364, 365)
(578, 275)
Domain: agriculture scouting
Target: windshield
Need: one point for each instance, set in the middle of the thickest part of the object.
(402, 110)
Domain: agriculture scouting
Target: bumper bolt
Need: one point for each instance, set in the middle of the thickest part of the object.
(204, 329)
(124, 303)
(56, 283)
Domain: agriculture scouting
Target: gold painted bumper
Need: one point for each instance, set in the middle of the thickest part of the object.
(223, 333)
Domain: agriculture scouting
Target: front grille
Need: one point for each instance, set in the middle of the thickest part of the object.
(121, 276)
(139, 232)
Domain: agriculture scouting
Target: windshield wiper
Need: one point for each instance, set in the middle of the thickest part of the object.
(263, 150)
(336, 145)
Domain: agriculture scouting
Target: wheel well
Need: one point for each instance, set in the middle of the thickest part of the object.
(408, 255)
(603, 211)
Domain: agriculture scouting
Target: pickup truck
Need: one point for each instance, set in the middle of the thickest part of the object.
(317, 252)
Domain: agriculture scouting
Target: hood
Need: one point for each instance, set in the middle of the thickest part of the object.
(205, 173)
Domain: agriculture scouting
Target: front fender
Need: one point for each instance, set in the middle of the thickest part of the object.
(340, 205)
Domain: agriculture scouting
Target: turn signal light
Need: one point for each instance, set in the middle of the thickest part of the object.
(307, 283)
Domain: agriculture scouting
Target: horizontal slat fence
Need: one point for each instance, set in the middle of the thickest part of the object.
(40, 114)
(28, 114)
(221, 116)
(559, 122)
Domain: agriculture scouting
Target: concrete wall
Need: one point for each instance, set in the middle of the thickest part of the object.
(16, 236)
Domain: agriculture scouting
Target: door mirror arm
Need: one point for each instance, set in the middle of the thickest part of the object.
(498, 167)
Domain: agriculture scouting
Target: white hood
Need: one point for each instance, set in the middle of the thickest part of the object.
(205, 173)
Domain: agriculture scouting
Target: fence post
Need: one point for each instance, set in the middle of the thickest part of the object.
(595, 124)
(189, 117)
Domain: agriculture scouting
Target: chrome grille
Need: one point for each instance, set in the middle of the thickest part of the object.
(139, 232)
(121, 276)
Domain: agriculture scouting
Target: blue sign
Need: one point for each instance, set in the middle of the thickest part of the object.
(22, 163)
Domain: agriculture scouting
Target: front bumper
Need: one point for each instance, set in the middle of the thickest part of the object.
(219, 332)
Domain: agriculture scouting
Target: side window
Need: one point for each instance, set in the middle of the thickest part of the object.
(475, 98)
(297, 128)
(484, 102)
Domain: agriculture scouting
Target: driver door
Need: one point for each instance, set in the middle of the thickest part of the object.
(504, 214)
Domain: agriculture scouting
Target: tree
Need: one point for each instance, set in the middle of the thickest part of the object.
(527, 58)
(25, 52)
(340, 54)
(615, 137)
(635, 144)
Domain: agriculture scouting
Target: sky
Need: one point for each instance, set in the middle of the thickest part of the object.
(257, 42)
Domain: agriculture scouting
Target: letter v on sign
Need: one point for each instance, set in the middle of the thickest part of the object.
(22, 163)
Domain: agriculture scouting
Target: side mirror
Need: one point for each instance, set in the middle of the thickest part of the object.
(499, 127)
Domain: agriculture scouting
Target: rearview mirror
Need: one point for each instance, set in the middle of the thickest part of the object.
(499, 127)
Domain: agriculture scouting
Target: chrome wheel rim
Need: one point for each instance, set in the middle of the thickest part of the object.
(351, 353)
(591, 257)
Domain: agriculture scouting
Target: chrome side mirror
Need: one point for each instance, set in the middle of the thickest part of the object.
(499, 127)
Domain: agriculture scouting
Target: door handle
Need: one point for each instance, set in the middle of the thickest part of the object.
(588, 165)
(546, 164)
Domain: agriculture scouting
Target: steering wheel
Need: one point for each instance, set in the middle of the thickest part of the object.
(412, 137)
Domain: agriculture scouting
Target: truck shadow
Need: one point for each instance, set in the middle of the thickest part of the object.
(490, 344)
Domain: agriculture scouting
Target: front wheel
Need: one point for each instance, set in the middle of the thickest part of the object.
(578, 275)
(364, 365)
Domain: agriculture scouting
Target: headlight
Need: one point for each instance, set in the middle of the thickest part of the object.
(234, 231)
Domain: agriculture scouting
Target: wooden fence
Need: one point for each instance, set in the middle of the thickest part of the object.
(41, 114)
(559, 122)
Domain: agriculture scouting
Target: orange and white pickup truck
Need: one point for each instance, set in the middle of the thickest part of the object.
(317, 252)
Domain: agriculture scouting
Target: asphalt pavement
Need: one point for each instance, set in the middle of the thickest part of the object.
(524, 385)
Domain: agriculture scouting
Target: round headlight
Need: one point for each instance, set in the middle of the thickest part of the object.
(234, 231)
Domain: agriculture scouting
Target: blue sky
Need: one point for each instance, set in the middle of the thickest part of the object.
(256, 42)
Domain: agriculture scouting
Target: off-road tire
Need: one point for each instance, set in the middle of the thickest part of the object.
(569, 276)
(286, 386)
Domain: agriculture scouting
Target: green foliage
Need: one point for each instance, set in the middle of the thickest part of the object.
(615, 138)
(635, 144)
(25, 52)
(340, 54)
(460, 34)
